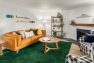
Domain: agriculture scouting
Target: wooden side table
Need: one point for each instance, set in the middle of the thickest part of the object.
(1, 47)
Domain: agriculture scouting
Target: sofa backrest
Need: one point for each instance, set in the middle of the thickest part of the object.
(43, 32)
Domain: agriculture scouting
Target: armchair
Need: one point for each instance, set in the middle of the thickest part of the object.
(84, 46)
(89, 58)
(87, 48)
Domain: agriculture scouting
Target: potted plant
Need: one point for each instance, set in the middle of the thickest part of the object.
(54, 33)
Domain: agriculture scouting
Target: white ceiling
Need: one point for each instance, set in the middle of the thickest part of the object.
(49, 3)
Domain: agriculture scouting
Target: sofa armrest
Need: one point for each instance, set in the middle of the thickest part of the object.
(10, 41)
(14, 39)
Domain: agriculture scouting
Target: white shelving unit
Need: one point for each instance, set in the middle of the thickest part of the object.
(57, 25)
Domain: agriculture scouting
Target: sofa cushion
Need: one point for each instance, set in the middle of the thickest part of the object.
(39, 32)
(27, 40)
(34, 37)
(40, 36)
(11, 35)
(14, 33)
(35, 31)
(17, 32)
(29, 30)
(22, 32)
(29, 34)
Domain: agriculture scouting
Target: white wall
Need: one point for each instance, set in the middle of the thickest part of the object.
(43, 15)
(39, 15)
(8, 24)
(73, 14)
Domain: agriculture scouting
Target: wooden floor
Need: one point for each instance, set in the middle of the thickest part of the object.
(75, 50)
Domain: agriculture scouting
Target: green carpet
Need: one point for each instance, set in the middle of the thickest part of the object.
(35, 54)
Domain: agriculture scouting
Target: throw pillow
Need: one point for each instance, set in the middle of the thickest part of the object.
(29, 34)
(17, 32)
(35, 31)
(89, 38)
(22, 32)
(39, 32)
(14, 33)
(30, 29)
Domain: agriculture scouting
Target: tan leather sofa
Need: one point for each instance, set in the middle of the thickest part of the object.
(15, 42)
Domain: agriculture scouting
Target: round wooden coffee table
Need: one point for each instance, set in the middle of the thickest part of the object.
(47, 40)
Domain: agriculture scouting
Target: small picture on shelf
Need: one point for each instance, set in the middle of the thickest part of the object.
(56, 23)
(53, 28)
(56, 20)
(57, 28)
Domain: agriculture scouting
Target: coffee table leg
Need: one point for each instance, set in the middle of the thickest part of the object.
(57, 45)
(46, 48)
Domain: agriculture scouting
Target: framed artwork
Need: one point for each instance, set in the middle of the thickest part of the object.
(57, 20)
(9, 16)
